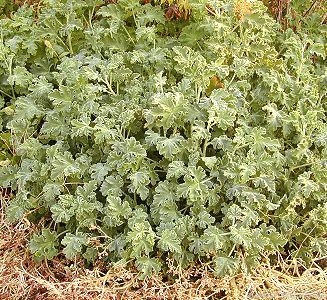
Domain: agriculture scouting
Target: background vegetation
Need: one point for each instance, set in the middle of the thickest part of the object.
(161, 135)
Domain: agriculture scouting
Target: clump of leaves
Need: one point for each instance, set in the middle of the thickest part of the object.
(138, 138)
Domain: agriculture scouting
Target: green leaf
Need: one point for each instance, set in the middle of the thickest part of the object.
(222, 111)
(63, 210)
(90, 254)
(169, 241)
(7, 175)
(104, 131)
(213, 239)
(318, 49)
(99, 171)
(26, 107)
(115, 17)
(64, 165)
(276, 240)
(148, 266)
(192, 33)
(164, 205)
(142, 239)
(112, 185)
(140, 180)
(195, 186)
(210, 162)
(15, 211)
(176, 169)
(44, 245)
(21, 77)
(265, 182)
(82, 126)
(170, 109)
(275, 116)
(308, 186)
(116, 211)
(241, 236)
(319, 245)
(225, 266)
(204, 219)
(168, 147)
(151, 14)
(62, 99)
(73, 244)
(56, 125)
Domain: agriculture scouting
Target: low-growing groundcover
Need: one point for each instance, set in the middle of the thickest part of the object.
(146, 132)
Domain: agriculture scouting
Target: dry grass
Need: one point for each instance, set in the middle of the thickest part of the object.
(21, 278)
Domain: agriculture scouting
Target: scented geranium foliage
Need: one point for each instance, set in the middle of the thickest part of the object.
(137, 135)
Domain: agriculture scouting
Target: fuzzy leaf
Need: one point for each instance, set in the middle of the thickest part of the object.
(73, 244)
(169, 241)
(44, 246)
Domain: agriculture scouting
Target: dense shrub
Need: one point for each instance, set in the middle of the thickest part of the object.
(141, 132)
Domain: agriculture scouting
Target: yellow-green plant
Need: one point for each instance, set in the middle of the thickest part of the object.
(138, 138)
